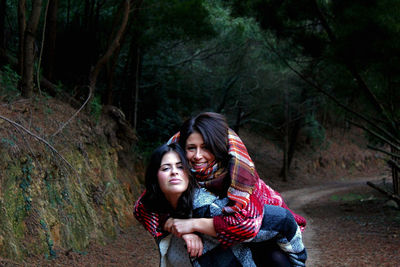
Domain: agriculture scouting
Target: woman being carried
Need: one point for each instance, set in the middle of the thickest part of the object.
(221, 164)
(172, 191)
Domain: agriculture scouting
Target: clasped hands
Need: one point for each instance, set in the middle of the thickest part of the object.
(183, 228)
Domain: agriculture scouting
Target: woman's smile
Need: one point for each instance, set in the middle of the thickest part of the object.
(197, 152)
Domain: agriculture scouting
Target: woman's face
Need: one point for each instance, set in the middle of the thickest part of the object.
(197, 153)
(172, 178)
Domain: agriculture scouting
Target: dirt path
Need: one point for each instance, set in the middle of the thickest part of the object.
(299, 198)
(349, 224)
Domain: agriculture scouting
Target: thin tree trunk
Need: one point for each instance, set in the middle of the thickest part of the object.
(108, 95)
(113, 46)
(50, 40)
(228, 86)
(29, 50)
(137, 87)
(285, 167)
(68, 12)
(3, 12)
(21, 32)
(293, 141)
(395, 172)
(239, 116)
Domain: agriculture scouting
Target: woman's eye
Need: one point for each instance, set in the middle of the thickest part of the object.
(164, 169)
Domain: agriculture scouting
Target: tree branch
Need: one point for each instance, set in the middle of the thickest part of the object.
(38, 138)
(375, 134)
(384, 151)
(321, 90)
(76, 113)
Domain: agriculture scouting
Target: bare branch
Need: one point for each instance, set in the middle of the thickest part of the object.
(76, 113)
(38, 138)
(389, 194)
(324, 92)
(375, 134)
(394, 164)
(384, 151)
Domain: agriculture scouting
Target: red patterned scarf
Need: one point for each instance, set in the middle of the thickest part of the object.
(242, 173)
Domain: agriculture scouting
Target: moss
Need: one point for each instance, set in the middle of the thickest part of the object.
(53, 206)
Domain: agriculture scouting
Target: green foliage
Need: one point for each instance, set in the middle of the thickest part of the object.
(177, 19)
(314, 131)
(8, 142)
(8, 84)
(51, 253)
(25, 183)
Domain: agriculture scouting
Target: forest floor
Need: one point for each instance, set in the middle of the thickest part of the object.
(349, 223)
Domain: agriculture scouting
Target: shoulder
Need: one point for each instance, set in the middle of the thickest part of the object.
(202, 197)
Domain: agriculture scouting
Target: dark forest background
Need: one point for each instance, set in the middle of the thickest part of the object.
(281, 67)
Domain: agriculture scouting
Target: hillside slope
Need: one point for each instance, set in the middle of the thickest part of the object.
(62, 192)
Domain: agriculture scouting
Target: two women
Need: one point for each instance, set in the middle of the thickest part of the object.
(171, 190)
(220, 163)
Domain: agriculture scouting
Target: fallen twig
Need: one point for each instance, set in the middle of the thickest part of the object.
(38, 138)
(387, 193)
(76, 113)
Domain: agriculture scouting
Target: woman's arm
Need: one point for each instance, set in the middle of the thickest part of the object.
(151, 221)
(180, 227)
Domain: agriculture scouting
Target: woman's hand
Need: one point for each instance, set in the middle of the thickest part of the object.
(194, 244)
(179, 227)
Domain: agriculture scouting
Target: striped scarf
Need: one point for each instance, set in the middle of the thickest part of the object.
(242, 172)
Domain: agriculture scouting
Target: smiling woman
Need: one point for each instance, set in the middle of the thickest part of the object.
(197, 152)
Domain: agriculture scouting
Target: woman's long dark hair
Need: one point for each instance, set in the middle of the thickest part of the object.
(154, 199)
(214, 130)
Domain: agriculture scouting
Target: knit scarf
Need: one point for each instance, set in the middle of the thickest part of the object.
(241, 170)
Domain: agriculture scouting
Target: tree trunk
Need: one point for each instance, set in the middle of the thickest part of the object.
(239, 116)
(21, 32)
(107, 98)
(285, 167)
(395, 172)
(228, 86)
(68, 13)
(29, 50)
(137, 87)
(50, 40)
(133, 69)
(113, 46)
(3, 12)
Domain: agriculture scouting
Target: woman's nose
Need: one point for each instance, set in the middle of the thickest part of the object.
(174, 170)
(198, 154)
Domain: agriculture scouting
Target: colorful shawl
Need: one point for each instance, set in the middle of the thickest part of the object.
(247, 192)
(242, 173)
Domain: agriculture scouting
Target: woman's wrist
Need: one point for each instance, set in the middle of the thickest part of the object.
(204, 226)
